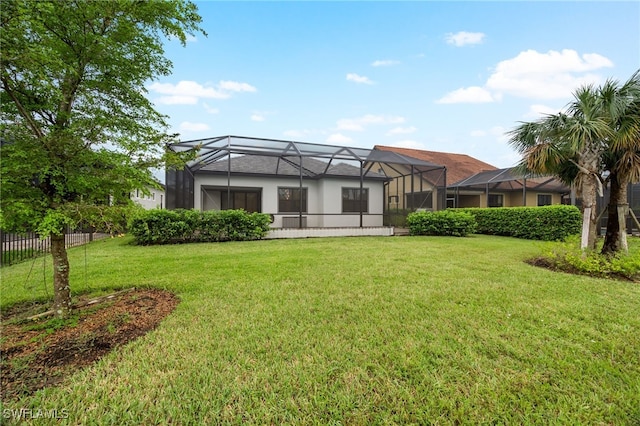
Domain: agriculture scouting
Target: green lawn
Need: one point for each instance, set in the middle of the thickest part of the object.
(387, 330)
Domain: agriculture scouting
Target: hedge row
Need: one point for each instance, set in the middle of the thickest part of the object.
(444, 222)
(547, 223)
(186, 226)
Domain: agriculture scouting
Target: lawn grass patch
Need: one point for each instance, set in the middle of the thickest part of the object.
(363, 330)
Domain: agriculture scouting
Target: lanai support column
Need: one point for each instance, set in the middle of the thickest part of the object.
(361, 191)
(412, 206)
(301, 191)
(228, 172)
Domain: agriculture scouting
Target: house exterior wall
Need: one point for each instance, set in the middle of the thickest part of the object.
(514, 199)
(510, 199)
(471, 200)
(154, 200)
(324, 198)
(330, 191)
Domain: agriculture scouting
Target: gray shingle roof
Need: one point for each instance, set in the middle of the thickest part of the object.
(287, 166)
(510, 179)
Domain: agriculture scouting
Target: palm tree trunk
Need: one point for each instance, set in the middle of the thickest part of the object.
(589, 190)
(616, 237)
(61, 288)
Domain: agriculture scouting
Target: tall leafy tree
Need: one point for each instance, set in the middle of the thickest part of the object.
(77, 132)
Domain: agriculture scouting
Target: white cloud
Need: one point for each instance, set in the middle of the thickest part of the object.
(177, 100)
(339, 138)
(409, 144)
(535, 75)
(187, 126)
(210, 109)
(358, 78)
(187, 92)
(384, 63)
(358, 124)
(401, 131)
(257, 117)
(551, 75)
(464, 38)
(234, 86)
(469, 95)
(477, 133)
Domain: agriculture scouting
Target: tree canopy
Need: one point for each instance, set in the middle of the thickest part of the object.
(592, 143)
(77, 130)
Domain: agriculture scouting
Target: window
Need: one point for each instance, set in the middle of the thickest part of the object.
(289, 200)
(495, 200)
(544, 199)
(248, 200)
(451, 202)
(353, 200)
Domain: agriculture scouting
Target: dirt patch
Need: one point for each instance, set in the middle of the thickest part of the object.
(40, 353)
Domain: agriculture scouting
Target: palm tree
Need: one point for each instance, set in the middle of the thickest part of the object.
(570, 145)
(622, 159)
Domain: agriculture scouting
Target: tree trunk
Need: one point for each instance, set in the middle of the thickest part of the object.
(589, 191)
(590, 214)
(616, 237)
(61, 288)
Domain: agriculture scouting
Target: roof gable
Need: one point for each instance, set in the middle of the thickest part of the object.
(459, 166)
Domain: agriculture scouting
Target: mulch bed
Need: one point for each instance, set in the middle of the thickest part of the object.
(40, 353)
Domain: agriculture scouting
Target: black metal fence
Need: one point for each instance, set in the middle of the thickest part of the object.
(16, 248)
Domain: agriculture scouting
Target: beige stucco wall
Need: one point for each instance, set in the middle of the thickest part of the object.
(509, 199)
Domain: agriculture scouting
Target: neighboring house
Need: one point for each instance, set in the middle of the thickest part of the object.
(299, 184)
(152, 199)
(427, 191)
(508, 188)
(474, 183)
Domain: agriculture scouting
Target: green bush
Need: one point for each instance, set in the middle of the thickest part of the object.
(570, 258)
(185, 226)
(444, 222)
(547, 223)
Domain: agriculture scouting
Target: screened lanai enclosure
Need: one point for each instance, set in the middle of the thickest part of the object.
(303, 184)
(508, 188)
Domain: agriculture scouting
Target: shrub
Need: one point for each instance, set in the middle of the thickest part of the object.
(444, 222)
(183, 226)
(569, 257)
(547, 223)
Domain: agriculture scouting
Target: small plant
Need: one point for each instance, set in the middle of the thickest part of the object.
(569, 257)
(54, 324)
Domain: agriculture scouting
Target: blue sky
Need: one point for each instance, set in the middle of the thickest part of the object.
(442, 76)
